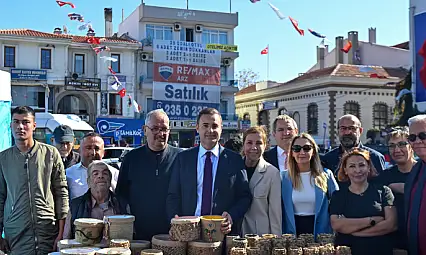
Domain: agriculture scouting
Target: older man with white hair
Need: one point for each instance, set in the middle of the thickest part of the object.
(415, 188)
(99, 201)
(144, 178)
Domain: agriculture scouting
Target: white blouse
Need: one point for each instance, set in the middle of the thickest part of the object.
(304, 199)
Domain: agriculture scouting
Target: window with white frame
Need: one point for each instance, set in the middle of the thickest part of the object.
(9, 56)
(159, 32)
(46, 59)
(116, 65)
(79, 63)
(214, 36)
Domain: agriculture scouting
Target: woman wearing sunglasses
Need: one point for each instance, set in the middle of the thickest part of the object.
(264, 215)
(395, 176)
(362, 214)
(306, 189)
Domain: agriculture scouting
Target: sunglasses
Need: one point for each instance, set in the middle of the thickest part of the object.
(401, 144)
(298, 148)
(413, 137)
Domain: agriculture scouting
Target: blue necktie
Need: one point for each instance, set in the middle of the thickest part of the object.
(206, 202)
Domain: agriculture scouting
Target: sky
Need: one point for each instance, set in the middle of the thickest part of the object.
(290, 53)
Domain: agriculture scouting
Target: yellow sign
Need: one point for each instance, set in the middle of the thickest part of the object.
(223, 47)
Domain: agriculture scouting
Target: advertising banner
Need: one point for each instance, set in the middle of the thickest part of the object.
(179, 73)
(420, 52)
(180, 52)
(186, 78)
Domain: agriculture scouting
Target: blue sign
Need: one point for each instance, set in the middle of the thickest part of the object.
(182, 110)
(269, 105)
(324, 125)
(419, 41)
(118, 128)
(28, 74)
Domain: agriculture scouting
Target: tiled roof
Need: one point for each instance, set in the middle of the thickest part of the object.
(340, 70)
(74, 38)
(247, 90)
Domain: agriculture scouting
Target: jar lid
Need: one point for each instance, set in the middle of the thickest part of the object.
(88, 221)
(186, 219)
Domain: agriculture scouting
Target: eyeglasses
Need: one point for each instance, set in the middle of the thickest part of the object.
(157, 130)
(401, 144)
(298, 148)
(413, 137)
(350, 128)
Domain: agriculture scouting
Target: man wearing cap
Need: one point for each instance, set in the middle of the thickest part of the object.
(64, 141)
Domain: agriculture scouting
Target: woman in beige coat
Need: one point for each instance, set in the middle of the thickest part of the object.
(265, 214)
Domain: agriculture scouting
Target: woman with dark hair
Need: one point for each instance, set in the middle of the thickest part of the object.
(264, 215)
(306, 189)
(362, 214)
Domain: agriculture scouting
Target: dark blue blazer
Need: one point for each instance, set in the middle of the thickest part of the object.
(231, 189)
(413, 241)
(271, 157)
(331, 160)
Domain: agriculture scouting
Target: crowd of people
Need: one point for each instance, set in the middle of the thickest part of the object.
(289, 189)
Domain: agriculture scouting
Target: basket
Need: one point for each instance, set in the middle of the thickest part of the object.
(121, 243)
(79, 251)
(151, 252)
(211, 228)
(167, 246)
(116, 251)
(68, 243)
(204, 248)
(252, 240)
(119, 227)
(185, 229)
(136, 246)
(88, 231)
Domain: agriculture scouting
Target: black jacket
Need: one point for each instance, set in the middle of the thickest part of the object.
(72, 159)
(81, 207)
(331, 159)
(142, 185)
(271, 156)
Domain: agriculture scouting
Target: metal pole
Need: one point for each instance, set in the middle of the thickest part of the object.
(325, 129)
(267, 66)
(187, 4)
(230, 6)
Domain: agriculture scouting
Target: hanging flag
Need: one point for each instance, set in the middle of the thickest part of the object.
(422, 73)
(116, 83)
(347, 47)
(277, 11)
(296, 26)
(94, 40)
(62, 3)
(84, 26)
(111, 71)
(122, 92)
(109, 59)
(101, 48)
(265, 51)
(254, 1)
(316, 34)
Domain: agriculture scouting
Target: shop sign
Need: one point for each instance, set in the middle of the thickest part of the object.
(28, 74)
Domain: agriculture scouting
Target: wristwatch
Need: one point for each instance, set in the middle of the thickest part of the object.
(372, 222)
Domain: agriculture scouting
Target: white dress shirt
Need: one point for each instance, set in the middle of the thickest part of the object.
(282, 157)
(77, 180)
(200, 173)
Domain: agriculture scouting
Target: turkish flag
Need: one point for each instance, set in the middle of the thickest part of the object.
(422, 73)
(296, 26)
(265, 51)
(93, 40)
(347, 47)
(122, 92)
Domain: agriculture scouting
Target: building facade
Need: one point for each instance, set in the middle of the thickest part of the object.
(61, 73)
(148, 23)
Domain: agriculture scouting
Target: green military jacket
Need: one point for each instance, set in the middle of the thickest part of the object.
(33, 196)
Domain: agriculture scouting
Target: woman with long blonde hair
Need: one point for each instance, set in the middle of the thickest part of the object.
(264, 215)
(306, 189)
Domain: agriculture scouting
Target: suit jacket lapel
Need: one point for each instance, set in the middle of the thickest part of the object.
(221, 171)
(191, 177)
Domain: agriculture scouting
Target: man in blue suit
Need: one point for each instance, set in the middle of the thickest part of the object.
(209, 179)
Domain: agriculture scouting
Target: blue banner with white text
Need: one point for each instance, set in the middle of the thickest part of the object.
(182, 110)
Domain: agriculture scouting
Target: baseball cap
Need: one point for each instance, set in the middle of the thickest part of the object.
(63, 133)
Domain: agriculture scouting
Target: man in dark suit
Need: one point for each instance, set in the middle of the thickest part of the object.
(415, 189)
(209, 179)
(284, 130)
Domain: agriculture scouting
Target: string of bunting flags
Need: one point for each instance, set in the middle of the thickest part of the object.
(324, 40)
(98, 49)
